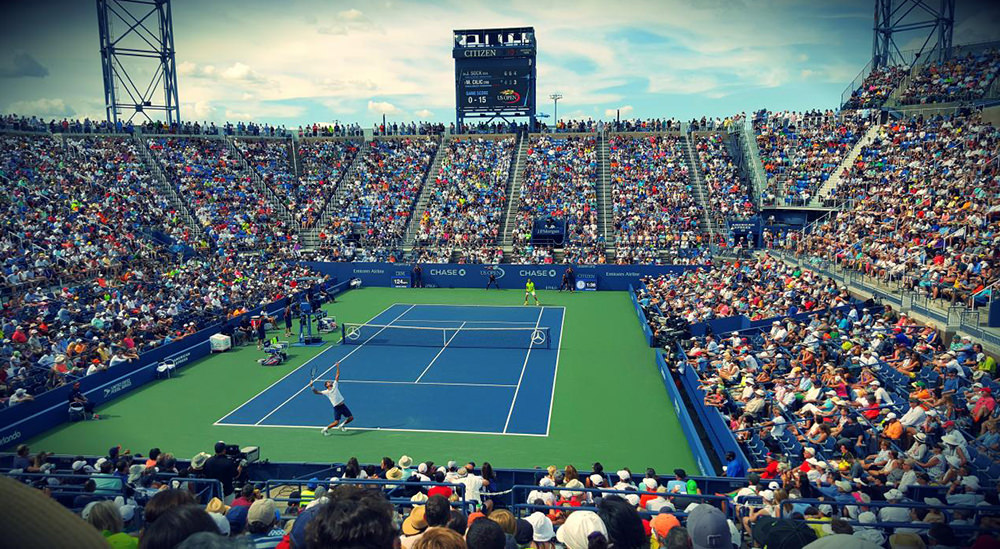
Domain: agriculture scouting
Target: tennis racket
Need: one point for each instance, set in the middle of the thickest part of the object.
(312, 376)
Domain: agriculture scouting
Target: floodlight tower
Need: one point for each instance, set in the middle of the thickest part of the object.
(900, 19)
(555, 97)
(138, 60)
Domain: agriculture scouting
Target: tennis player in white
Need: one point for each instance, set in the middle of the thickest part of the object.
(340, 409)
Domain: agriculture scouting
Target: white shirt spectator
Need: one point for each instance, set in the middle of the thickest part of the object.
(913, 417)
(882, 397)
(894, 514)
(473, 486)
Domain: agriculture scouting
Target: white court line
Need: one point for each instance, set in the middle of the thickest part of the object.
(524, 323)
(343, 358)
(495, 306)
(433, 360)
(233, 411)
(493, 433)
(443, 383)
(523, 367)
(555, 373)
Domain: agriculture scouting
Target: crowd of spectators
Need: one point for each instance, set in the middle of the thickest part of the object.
(370, 214)
(925, 210)
(69, 214)
(800, 151)
(758, 288)
(859, 407)
(337, 129)
(813, 504)
(729, 196)
(324, 163)
(467, 202)
(410, 128)
(961, 78)
(560, 182)
(653, 207)
(876, 87)
(209, 175)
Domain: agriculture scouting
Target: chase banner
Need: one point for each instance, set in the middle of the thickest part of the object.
(508, 275)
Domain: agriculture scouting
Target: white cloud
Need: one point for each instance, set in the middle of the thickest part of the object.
(383, 107)
(203, 110)
(41, 107)
(241, 72)
(424, 113)
(351, 14)
(624, 110)
(237, 72)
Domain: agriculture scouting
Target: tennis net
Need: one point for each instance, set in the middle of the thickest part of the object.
(420, 336)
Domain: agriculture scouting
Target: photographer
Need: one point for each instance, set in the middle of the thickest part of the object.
(223, 469)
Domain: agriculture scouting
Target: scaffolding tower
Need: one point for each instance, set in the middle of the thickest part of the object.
(138, 62)
(897, 21)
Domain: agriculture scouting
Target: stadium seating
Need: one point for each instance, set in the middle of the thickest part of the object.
(728, 194)
(208, 174)
(876, 87)
(371, 209)
(800, 151)
(962, 78)
(560, 181)
(468, 200)
(913, 218)
(654, 210)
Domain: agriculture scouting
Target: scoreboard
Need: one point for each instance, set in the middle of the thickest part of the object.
(495, 73)
(498, 84)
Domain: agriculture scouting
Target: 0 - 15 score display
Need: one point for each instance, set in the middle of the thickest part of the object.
(497, 84)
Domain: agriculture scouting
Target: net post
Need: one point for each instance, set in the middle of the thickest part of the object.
(343, 333)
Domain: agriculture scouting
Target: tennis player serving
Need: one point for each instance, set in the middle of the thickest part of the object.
(529, 290)
(340, 409)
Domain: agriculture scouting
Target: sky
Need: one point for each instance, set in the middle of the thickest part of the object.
(290, 62)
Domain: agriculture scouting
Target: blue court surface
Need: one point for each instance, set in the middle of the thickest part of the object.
(432, 368)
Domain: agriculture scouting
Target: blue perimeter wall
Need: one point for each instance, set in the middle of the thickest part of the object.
(50, 409)
(509, 275)
(684, 416)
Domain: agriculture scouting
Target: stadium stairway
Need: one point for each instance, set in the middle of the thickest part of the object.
(293, 152)
(697, 182)
(258, 183)
(310, 237)
(514, 181)
(605, 220)
(831, 183)
(166, 187)
(425, 193)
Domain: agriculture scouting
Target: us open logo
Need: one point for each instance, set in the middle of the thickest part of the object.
(495, 271)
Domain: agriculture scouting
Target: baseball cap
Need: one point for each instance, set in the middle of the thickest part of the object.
(298, 534)
(708, 528)
(662, 523)
(262, 511)
(762, 529)
(787, 534)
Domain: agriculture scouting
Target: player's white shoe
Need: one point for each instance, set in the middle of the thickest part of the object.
(343, 427)
(326, 431)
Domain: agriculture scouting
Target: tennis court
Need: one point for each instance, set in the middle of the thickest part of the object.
(431, 368)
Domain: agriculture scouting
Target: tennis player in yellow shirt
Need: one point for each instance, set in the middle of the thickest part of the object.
(529, 290)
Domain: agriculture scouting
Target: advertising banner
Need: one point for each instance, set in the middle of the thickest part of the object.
(509, 275)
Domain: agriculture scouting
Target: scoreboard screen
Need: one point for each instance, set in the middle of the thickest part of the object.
(495, 73)
(495, 84)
